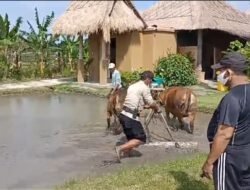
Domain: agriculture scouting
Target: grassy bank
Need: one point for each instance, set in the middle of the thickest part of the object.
(68, 89)
(176, 175)
(27, 91)
(206, 102)
(57, 89)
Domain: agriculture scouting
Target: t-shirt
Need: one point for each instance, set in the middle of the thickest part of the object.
(233, 110)
(116, 79)
(137, 94)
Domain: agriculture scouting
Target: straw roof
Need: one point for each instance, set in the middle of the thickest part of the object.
(194, 15)
(87, 17)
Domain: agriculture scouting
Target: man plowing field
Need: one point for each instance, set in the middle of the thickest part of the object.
(138, 94)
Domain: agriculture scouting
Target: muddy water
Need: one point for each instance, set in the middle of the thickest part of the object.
(47, 139)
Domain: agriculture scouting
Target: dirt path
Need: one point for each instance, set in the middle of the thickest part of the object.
(50, 82)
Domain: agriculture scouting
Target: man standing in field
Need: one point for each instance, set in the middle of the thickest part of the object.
(116, 78)
(116, 86)
(229, 129)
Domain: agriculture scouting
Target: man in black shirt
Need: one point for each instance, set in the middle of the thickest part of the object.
(229, 129)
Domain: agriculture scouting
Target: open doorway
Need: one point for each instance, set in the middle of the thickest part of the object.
(112, 53)
(113, 50)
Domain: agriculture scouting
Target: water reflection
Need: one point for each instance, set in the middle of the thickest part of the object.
(35, 127)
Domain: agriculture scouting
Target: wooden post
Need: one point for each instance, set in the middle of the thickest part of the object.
(104, 61)
(214, 61)
(80, 67)
(199, 58)
(201, 75)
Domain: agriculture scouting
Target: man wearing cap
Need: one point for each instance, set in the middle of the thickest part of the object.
(116, 78)
(116, 85)
(228, 132)
(138, 94)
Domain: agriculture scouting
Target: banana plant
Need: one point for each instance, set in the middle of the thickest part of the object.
(9, 37)
(69, 48)
(41, 42)
(87, 60)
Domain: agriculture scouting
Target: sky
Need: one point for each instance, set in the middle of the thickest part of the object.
(25, 9)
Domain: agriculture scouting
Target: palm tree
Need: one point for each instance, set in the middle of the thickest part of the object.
(40, 42)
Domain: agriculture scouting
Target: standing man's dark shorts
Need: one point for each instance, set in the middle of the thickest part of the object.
(231, 170)
(133, 129)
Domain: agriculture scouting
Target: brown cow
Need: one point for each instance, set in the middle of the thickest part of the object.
(114, 107)
(181, 103)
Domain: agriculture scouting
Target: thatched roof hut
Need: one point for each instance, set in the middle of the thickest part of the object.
(195, 15)
(98, 17)
(87, 17)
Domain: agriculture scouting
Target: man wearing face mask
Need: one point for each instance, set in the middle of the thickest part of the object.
(228, 132)
(137, 95)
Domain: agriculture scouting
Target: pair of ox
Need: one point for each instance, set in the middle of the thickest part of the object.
(179, 101)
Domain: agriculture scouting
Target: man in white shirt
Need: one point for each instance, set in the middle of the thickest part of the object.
(116, 85)
(116, 78)
(138, 94)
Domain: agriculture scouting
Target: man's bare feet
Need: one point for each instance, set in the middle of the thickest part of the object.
(118, 153)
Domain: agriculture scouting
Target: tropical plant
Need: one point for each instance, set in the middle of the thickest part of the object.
(9, 35)
(176, 70)
(87, 59)
(242, 48)
(69, 52)
(129, 78)
(239, 47)
(10, 45)
(69, 49)
(41, 42)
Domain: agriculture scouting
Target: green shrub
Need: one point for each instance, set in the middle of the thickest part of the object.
(15, 73)
(28, 72)
(3, 69)
(66, 72)
(48, 71)
(130, 77)
(190, 58)
(243, 49)
(177, 70)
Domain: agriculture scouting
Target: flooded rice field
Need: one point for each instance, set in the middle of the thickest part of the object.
(48, 139)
